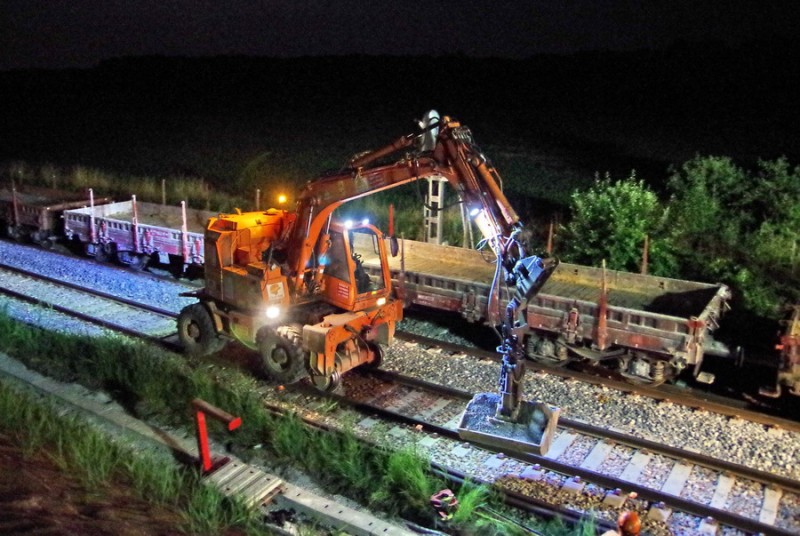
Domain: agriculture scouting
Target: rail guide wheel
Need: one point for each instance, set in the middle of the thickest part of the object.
(377, 361)
(328, 384)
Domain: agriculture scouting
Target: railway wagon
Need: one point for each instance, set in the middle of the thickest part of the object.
(135, 233)
(36, 214)
(646, 328)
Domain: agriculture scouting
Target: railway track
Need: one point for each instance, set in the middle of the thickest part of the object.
(146, 321)
(587, 466)
(562, 472)
(130, 317)
(695, 398)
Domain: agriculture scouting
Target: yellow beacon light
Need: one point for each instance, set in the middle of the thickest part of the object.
(281, 199)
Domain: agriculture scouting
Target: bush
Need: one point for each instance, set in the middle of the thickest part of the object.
(611, 221)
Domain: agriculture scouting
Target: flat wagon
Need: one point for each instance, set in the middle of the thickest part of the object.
(646, 327)
(36, 214)
(136, 233)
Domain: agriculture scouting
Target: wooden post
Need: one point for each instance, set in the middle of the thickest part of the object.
(258, 199)
(163, 191)
(602, 312)
(550, 238)
(15, 204)
(135, 224)
(92, 230)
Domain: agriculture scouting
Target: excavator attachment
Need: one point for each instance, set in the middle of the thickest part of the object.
(505, 420)
(531, 432)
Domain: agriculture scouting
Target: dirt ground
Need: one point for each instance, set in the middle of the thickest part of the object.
(36, 497)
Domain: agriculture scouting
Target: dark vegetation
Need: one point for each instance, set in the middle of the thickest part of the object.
(550, 124)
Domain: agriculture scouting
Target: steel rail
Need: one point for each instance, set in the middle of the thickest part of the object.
(646, 493)
(84, 317)
(512, 498)
(722, 466)
(667, 393)
(87, 290)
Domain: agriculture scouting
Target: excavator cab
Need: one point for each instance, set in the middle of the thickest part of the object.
(346, 282)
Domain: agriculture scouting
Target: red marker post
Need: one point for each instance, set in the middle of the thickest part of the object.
(203, 408)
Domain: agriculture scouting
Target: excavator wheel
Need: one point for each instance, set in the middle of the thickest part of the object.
(196, 331)
(282, 357)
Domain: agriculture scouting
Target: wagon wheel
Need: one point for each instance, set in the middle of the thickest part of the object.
(196, 331)
(16, 233)
(103, 253)
(139, 262)
(282, 357)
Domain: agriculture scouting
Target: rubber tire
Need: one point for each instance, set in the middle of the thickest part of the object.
(196, 331)
(280, 358)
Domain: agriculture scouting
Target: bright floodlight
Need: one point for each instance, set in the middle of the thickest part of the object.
(365, 221)
(348, 224)
(474, 212)
(273, 311)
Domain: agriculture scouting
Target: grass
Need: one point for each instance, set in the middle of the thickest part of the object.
(281, 170)
(155, 383)
(75, 446)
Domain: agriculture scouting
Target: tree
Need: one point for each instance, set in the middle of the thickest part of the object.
(706, 214)
(740, 228)
(611, 220)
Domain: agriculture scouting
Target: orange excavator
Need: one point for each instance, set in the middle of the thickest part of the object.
(292, 284)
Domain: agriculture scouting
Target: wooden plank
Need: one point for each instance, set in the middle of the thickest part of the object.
(769, 508)
(597, 456)
(635, 467)
(560, 444)
(723, 489)
(677, 479)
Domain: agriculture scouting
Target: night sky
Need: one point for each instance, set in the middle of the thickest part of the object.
(80, 33)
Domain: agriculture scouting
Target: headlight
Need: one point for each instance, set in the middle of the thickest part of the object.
(381, 301)
(273, 311)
